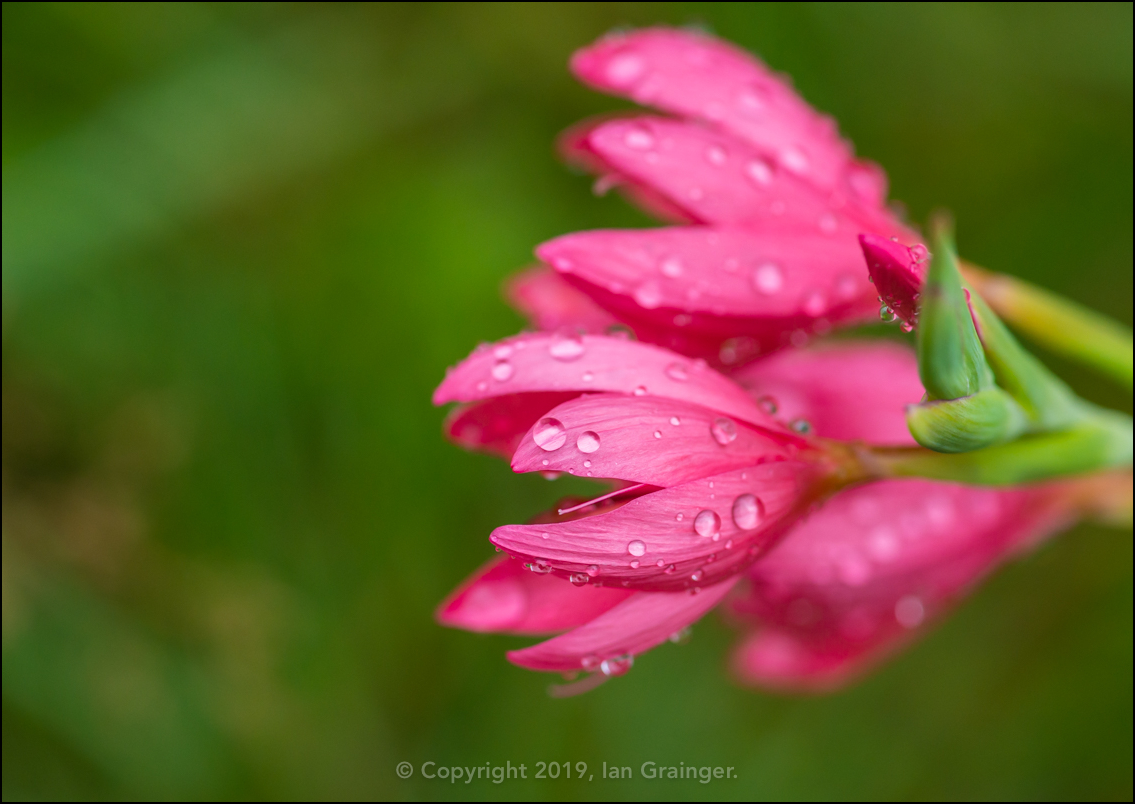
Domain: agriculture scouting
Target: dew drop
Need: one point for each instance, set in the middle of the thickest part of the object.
(696, 576)
(660, 563)
(639, 139)
(566, 348)
(587, 464)
(760, 172)
(724, 430)
(579, 579)
(625, 69)
(707, 523)
(587, 442)
(502, 352)
(671, 267)
(748, 511)
(679, 517)
(658, 434)
(674, 420)
(907, 326)
(637, 548)
(589, 662)
(815, 304)
(681, 637)
(919, 253)
(592, 571)
(767, 404)
(648, 295)
(587, 376)
(909, 612)
(502, 371)
(617, 665)
(802, 426)
(669, 570)
(677, 372)
(767, 278)
(887, 315)
(640, 390)
(634, 564)
(795, 160)
(549, 434)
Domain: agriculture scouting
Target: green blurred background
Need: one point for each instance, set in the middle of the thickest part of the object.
(240, 245)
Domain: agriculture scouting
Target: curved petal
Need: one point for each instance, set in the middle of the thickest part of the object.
(714, 178)
(552, 304)
(694, 75)
(663, 442)
(677, 538)
(852, 391)
(897, 272)
(635, 625)
(503, 596)
(497, 425)
(766, 281)
(542, 362)
(875, 565)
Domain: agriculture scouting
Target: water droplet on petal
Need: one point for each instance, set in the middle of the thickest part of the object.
(768, 278)
(502, 371)
(680, 517)
(639, 139)
(502, 352)
(748, 511)
(669, 570)
(549, 434)
(617, 665)
(658, 434)
(660, 563)
(707, 523)
(760, 172)
(625, 69)
(588, 442)
(587, 376)
(671, 267)
(767, 404)
(592, 571)
(802, 426)
(909, 612)
(648, 294)
(716, 155)
(815, 304)
(682, 636)
(640, 390)
(637, 548)
(677, 372)
(633, 565)
(887, 315)
(907, 326)
(579, 579)
(795, 160)
(724, 430)
(674, 420)
(566, 348)
(919, 253)
(697, 575)
(589, 662)
(587, 464)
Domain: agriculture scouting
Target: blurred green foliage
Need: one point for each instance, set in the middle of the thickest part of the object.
(242, 242)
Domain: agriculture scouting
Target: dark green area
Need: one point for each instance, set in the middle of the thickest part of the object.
(240, 245)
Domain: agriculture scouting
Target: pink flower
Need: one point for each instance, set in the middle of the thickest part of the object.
(720, 484)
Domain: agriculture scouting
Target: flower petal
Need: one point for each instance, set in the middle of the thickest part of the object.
(555, 362)
(852, 391)
(497, 425)
(694, 75)
(765, 282)
(897, 272)
(681, 537)
(503, 596)
(635, 625)
(855, 580)
(663, 442)
(716, 179)
(552, 304)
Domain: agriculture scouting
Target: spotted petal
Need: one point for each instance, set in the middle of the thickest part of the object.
(543, 362)
(877, 563)
(853, 391)
(503, 596)
(637, 624)
(661, 442)
(694, 75)
(681, 537)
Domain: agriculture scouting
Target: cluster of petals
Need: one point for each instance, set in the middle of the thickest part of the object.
(711, 423)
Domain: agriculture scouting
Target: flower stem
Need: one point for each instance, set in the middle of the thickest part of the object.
(1057, 323)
